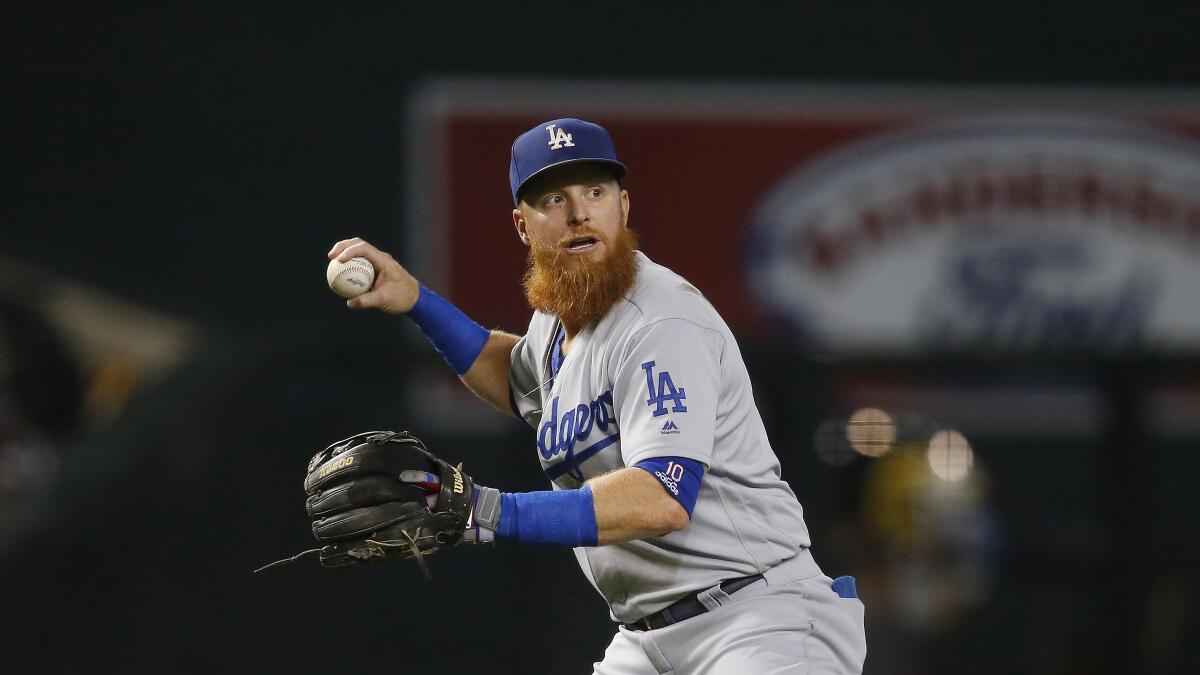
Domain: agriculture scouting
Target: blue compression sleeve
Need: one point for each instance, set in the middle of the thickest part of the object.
(557, 518)
(679, 476)
(453, 334)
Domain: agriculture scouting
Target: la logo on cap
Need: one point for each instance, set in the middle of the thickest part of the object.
(559, 138)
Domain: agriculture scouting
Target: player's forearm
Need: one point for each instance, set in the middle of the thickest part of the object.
(479, 356)
(630, 504)
(620, 506)
(488, 375)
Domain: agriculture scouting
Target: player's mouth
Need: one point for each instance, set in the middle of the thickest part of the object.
(581, 244)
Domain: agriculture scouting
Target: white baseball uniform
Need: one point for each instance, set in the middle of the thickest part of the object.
(661, 375)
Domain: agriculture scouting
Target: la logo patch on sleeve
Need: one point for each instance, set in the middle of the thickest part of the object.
(665, 391)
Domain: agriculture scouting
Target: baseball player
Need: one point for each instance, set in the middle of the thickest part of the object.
(663, 480)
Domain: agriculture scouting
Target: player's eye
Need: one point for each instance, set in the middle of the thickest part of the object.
(596, 192)
(553, 200)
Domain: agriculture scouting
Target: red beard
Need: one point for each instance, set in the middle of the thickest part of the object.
(582, 291)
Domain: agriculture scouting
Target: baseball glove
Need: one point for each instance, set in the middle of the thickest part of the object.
(381, 495)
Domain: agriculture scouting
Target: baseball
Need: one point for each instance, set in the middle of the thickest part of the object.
(350, 278)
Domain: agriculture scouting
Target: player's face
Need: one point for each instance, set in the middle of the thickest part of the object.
(578, 209)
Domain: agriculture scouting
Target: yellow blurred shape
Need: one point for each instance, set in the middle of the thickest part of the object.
(894, 488)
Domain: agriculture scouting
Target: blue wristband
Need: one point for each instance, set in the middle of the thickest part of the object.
(556, 518)
(453, 334)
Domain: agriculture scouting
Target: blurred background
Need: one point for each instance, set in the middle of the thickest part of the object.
(959, 245)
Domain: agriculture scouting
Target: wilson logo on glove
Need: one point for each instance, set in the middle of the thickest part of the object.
(339, 464)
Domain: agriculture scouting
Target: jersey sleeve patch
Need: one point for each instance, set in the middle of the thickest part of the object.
(664, 392)
(679, 476)
(666, 386)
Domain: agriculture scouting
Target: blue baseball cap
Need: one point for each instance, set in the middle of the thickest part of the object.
(559, 142)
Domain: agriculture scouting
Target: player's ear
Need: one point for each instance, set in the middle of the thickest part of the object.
(624, 207)
(519, 223)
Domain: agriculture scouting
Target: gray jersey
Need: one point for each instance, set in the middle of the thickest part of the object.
(660, 375)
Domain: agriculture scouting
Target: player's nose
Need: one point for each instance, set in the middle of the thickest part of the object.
(577, 213)
(575, 219)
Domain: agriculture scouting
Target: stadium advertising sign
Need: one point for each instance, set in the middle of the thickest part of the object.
(852, 219)
(1004, 233)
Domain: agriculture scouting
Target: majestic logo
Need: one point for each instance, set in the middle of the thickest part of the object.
(665, 391)
(670, 427)
(559, 138)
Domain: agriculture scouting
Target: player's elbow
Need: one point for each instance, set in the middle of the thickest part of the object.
(673, 517)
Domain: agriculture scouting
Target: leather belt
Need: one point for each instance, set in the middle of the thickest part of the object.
(688, 607)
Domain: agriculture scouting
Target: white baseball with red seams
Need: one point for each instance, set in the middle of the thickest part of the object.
(351, 278)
